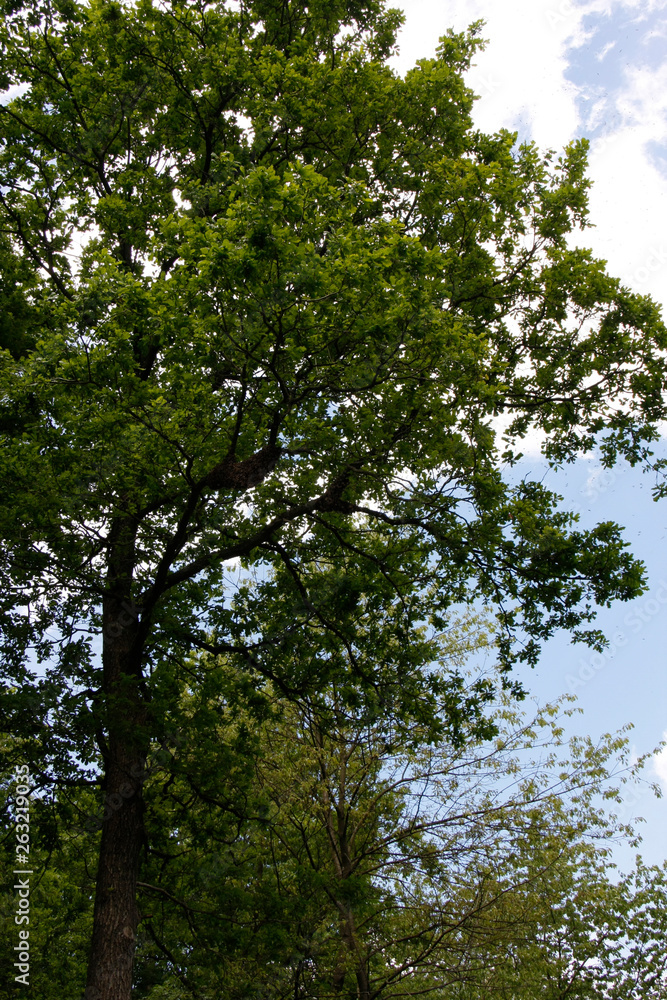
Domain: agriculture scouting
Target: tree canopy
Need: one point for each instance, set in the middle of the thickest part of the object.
(266, 300)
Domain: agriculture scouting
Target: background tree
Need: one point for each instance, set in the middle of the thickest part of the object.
(306, 852)
(269, 297)
(365, 862)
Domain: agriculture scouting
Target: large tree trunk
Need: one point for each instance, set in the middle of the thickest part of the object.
(124, 743)
(116, 914)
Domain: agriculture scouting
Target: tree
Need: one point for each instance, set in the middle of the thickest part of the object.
(312, 854)
(358, 861)
(269, 298)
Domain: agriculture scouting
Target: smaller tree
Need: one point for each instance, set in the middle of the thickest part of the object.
(571, 931)
(364, 859)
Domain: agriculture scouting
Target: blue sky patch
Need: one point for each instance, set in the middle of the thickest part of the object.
(599, 68)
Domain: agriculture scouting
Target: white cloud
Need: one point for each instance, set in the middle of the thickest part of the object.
(520, 77)
(629, 195)
(605, 50)
(628, 203)
(643, 102)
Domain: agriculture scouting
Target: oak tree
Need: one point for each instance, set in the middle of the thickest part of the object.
(265, 300)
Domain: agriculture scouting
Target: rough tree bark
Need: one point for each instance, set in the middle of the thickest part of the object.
(124, 746)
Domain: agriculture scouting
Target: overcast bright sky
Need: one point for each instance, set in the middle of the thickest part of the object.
(554, 70)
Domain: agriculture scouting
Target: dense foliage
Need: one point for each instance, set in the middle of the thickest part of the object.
(312, 855)
(265, 300)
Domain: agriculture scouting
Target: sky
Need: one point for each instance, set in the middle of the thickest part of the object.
(555, 70)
